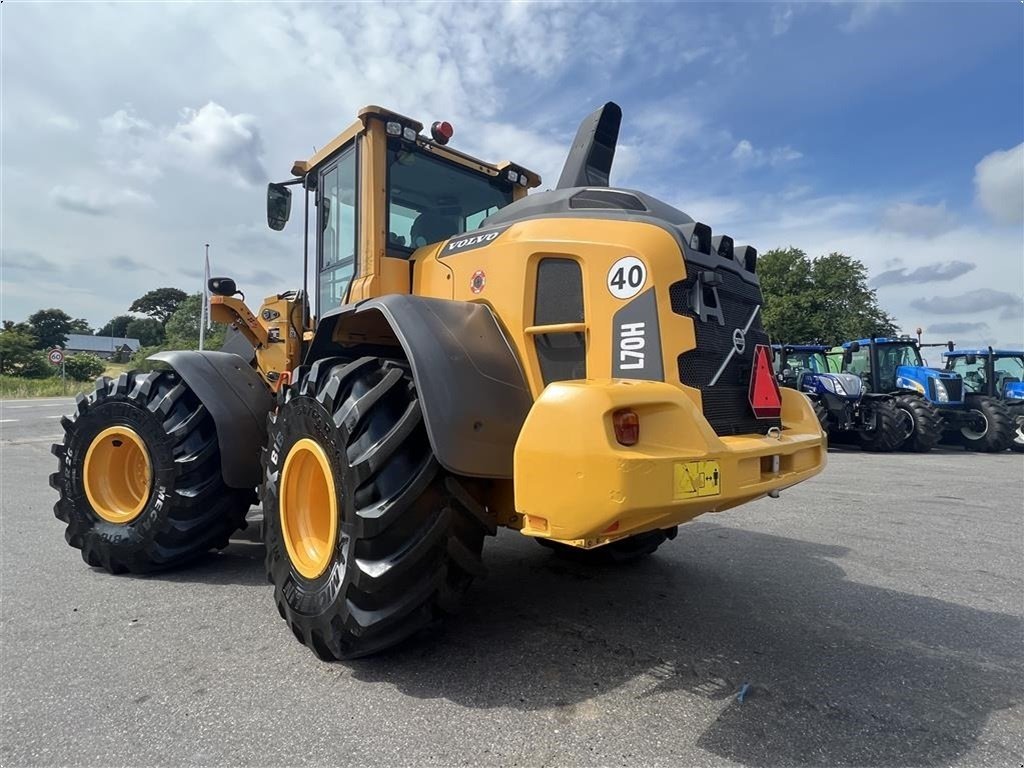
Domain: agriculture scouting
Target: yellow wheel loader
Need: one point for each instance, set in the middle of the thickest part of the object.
(585, 365)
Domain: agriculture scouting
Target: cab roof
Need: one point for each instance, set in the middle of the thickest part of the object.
(883, 340)
(302, 167)
(801, 347)
(984, 352)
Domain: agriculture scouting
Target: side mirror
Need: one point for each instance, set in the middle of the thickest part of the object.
(854, 346)
(279, 206)
(971, 359)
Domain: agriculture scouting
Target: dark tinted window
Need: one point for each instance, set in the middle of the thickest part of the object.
(431, 199)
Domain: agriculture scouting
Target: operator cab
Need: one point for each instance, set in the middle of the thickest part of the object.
(380, 191)
(987, 371)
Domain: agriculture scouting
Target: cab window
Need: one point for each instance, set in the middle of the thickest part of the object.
(336, 204)
(430, 198)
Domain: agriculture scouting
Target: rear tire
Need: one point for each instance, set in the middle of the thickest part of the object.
(886, 436)
(627, 550)
(995, 431)
(409, 536)
(925, 428)
(1017, 414)
(183, 510)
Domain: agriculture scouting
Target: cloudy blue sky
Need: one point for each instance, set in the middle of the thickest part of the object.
(134, 133)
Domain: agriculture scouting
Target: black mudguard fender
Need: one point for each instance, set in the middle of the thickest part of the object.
(471, 386)
(237, 399)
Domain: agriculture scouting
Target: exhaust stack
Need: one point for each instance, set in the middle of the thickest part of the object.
(589, 163)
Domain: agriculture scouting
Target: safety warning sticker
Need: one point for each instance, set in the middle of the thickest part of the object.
(697, 478)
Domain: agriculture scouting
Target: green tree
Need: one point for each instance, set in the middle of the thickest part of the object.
(147, 330)
(116, 327)
(17, 345)
(182, 328)
(825, 299)
(160, 303)
(83, 366)
(80, 325)
(52, 326)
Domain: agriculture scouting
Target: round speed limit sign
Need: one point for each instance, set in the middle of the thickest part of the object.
(56, 356)
(626, 277)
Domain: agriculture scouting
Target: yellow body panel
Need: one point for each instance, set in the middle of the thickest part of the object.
(575, 483)
(275, 332)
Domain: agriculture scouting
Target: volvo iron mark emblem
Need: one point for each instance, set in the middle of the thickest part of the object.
(739, 344)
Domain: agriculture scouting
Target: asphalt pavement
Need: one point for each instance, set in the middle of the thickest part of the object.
(871, 616)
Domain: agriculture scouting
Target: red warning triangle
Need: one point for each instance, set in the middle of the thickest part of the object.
(765, 397)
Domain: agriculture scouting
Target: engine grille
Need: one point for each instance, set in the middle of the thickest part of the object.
(955, 389)
(726, 405)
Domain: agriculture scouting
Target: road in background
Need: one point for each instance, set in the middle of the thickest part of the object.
(873, 616)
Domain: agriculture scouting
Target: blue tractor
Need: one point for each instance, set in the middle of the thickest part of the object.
(991, 375)
(844, 409)
(932, 401)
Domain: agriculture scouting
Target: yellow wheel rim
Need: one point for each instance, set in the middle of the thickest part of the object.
(117, 474)
(309, 508)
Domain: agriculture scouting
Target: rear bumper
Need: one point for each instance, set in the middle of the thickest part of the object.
(575, 483)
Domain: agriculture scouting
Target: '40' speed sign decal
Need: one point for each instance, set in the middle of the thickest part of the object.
(626, 277)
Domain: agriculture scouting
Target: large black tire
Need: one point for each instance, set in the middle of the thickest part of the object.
(822, 413)
(923, 432)
(410, 536)
(625, 550)
(992, 430)
(887, 435)
(188, 510)
(1017, 414)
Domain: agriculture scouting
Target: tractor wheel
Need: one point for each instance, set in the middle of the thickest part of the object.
(139, 477)
(367, 538)
(922, 424)
(991, 430)
(822, 413)
(625, 550)
(887, 434)
(1017, 413)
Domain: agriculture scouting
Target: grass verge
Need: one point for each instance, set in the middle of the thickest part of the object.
(15, 387)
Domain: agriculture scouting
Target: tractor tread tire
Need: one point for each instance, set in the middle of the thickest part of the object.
(822, 413)
(189, 512)
(410, 535)
(1001, 428)
(886, 436)
(627, 550)
(928, 424)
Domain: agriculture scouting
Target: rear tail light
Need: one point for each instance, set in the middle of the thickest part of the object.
(627, 426)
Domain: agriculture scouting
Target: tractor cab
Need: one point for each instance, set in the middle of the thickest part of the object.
(805, 367)
(895, 364)
(992, 372)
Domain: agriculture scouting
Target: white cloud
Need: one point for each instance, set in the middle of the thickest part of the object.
(748, 156)
(96, 201)
(205, 140)
(999, 185)
(782, 19)
(62, 123)
(918, 220)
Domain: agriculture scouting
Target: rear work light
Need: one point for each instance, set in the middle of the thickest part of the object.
(627, 426)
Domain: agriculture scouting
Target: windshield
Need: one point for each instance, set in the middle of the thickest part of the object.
(431, 199)
(807, 361)
(1008, 370)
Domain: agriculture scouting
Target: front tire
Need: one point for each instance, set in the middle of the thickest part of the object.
(139, 476)
(886, 436)
(924, 429)
(406, 537)
(992, 430)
